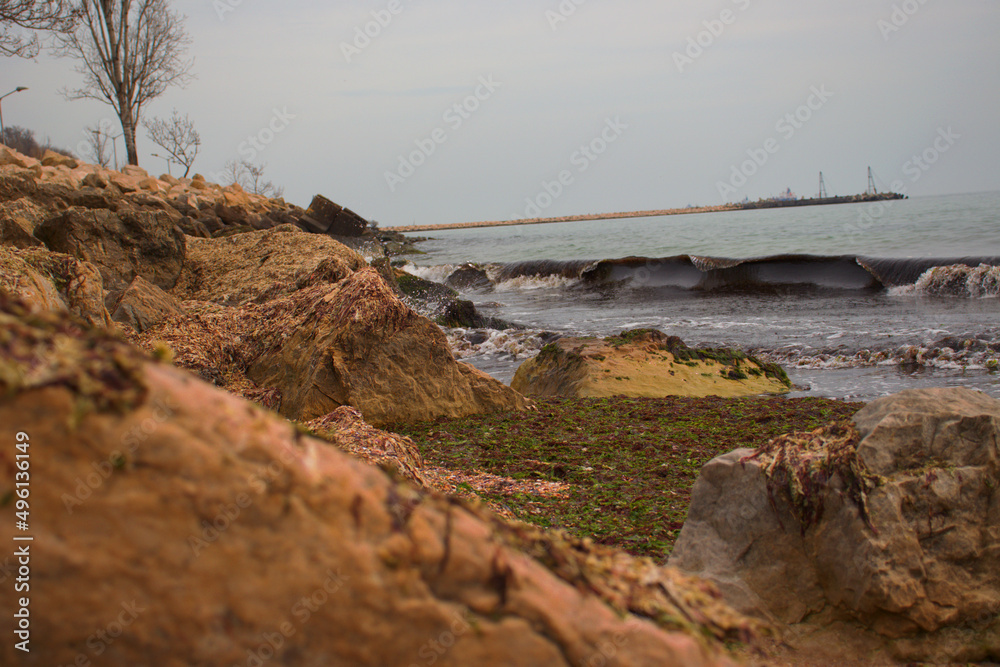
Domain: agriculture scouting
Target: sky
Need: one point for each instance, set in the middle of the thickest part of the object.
(440, 111)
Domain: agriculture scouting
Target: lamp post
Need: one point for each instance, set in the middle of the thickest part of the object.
(3, 132)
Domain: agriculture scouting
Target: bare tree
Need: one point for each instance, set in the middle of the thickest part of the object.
(22, 140)
(130, 52)
(177, 136)
(97, 144)
(250, 177)
(19, 18)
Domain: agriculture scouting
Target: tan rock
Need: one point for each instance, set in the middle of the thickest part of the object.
(143, 305)
(151, 185)
(893, 525)
(134, 170)
(52, 159)
(643, 363)
(18, 220)
(359, 345)
(95, 180)
(12, 158)
(49, 281)
(121, 244)
(259, 266)
(170, 180)
(125, 182)
(175, 524)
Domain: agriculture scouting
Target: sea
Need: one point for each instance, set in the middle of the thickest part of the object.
(855, 301)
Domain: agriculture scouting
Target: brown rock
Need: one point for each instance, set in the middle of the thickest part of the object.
(259, 266)
(134, 170)
(189, 527)
(895, 525)
(48, 281)
(359, 345)
(52, 159)
(16, 182)
(122, 245)
(18, 220)
(643, 363)
(96, 179)
(325, 217)
(143, 305)
(11, 158)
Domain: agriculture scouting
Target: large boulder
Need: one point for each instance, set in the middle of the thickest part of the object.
(122, 244)
(643, 363)
(357, 344)
(49, 281)
(893, 522)
(258, 266)
(325, 217)
(174, 524)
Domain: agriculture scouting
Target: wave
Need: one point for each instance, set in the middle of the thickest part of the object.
(776, 272)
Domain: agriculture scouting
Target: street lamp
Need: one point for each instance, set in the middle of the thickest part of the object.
(2, 131)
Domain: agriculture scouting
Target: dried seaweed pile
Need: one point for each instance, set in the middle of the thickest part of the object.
(346, 428)
(801, 466)
(49, 349)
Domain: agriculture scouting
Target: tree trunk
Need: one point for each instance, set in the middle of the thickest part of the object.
(128, 132)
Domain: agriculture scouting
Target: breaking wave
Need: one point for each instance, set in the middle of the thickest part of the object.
(969, 276)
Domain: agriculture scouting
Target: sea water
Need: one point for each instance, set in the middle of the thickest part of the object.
(855, 301)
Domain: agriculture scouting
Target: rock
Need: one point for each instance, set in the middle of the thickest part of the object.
(359, 345)
(108, 197)
(325, 217)
(178, 525)
(469, 277)
(11, 158)
(52, 159)
(135, 171)
(643, 363)
(122, 245)
(49, 281)
(443, 304)
(261, 265)
(143, 305)
(95, 179)
(18, 220)
(894, 525)
(16, 183)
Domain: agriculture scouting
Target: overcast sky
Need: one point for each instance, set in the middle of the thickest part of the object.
(458, 111)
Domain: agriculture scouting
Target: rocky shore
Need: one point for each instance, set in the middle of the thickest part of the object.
(196, 378)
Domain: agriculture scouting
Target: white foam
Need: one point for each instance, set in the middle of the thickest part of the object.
(513, 343)
(957, 280)
(436, 274)
(527, 283)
